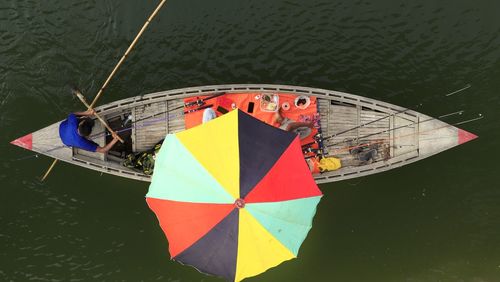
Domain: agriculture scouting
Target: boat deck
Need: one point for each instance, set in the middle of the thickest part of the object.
(154, 121)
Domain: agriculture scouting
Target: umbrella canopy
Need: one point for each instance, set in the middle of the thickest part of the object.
(234, 196)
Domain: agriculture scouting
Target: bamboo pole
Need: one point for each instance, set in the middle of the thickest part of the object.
(91, 106)
(80, 96)
(49, 170)
(126, 53)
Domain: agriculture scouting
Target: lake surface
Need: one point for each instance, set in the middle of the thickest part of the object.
(436, 220)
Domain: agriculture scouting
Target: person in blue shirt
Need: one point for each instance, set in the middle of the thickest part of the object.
(75, 130)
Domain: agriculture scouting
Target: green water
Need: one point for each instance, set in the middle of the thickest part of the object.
(436, 220)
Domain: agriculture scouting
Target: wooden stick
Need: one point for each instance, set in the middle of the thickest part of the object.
(80, 96)
(126, 53)
(49, 170)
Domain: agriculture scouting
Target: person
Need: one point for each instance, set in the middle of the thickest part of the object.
(303, 129)
(75, 130)
(208, 115)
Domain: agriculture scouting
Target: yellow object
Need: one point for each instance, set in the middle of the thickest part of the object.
(258, 250)
(329, 164)
(206, 142)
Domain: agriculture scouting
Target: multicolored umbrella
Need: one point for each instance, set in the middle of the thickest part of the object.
(234, 196)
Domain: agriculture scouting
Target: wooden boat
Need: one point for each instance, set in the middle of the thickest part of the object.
(402, 135)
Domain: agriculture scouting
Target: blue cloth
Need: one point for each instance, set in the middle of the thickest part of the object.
(68, 131)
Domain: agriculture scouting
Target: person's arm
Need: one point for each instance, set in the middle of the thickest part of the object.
(87, 113)
(110, 145)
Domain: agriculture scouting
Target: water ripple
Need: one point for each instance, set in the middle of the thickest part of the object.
(398, 51)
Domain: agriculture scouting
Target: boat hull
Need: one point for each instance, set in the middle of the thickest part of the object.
(403, 135)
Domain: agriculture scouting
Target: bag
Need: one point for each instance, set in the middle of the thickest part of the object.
(324, 164)
(329, 164)
(143, 161)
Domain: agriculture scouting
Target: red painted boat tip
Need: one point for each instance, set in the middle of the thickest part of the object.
(465, 136)
(25, 142)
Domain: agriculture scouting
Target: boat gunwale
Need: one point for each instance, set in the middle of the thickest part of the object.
(187, 92)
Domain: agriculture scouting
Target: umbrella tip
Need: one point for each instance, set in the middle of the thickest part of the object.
(239, 203)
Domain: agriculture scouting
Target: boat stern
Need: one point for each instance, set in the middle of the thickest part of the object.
(45, 141)
(465, 136)
(436, 136)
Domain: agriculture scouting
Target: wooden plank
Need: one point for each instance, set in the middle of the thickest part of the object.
(324, 111)
(47, 141)
(152, 125)
(176, 121)
(404, 136)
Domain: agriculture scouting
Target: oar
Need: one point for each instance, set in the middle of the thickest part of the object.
(114, 71)
(49, 170)
(80, 96)
(126, 52)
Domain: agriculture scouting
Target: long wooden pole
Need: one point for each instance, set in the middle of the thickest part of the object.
(126, 53)
(49, 170)
(80, 96)
(91, 106)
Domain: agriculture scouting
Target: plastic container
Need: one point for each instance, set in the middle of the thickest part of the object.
(269, 102)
